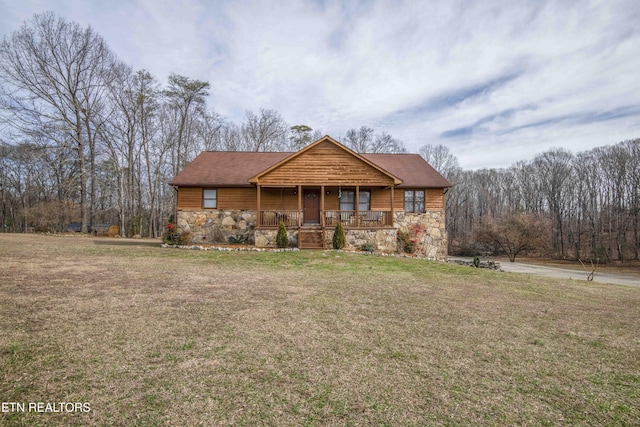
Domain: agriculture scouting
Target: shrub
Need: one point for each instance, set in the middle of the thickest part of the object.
(368, 247)
(185, 238)
(238, 240)
(170, 234)
(515, 232)
(407, 243)
(282, 239)
(339, 241)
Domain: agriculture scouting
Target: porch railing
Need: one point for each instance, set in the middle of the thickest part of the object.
(362, 219)
(273, 218)
(365, 219)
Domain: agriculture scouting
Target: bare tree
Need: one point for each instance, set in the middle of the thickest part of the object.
(55, 73)
(365, 140)
(266, 131)
(633, 191)
(556, 173)
(359, 140)
(230, 138)
(209, 129)
(591, 199)
(147, 99)
(121, 142)
(385, 143)
(515, 233)
(442, 160)
(19, 164)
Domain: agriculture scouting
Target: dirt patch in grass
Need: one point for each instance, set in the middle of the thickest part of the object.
(152, 336)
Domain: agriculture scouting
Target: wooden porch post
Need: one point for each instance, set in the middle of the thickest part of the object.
(392, 219)
(259, 219)
(322, 206)
(357, 205)
(299, 205)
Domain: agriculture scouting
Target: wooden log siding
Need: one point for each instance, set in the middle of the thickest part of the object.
(237, 198)
(278, 198)
(326, 165)
(380, 199)
(434, 199)
(189, 198)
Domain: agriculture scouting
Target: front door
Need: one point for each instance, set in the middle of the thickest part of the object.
(311, 206)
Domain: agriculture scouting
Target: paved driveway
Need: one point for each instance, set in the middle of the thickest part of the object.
(567, 273)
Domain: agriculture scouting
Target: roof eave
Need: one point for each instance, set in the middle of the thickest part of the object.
(211, 184)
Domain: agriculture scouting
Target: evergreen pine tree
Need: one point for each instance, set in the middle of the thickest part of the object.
(339, 241)
(282, 240)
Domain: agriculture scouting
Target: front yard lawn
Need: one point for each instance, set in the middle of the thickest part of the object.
(150, 336)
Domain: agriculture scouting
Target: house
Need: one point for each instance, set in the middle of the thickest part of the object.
(234, 197)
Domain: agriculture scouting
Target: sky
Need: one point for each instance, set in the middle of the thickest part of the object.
(494, 81)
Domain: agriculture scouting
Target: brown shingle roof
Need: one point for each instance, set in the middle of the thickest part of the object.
(411, 168)
(225, 168)
(235, 168)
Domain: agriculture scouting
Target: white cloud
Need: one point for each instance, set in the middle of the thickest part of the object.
(504, 81)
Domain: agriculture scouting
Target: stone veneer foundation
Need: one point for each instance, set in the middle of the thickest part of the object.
(218, 226)
(432, 239)
(233, 226)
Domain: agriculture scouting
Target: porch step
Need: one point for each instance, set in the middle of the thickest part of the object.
(311, 239)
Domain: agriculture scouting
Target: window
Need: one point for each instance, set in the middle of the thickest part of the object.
(210, 199)
(365, 201)
(414, 201)
(348, 201)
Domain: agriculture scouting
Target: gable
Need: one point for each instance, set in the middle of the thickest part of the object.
(325, 163)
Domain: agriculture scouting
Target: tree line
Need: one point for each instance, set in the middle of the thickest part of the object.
(579, 206)
(85, 138)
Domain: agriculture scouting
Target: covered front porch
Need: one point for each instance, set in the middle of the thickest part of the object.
(320, 186)
(320, 207)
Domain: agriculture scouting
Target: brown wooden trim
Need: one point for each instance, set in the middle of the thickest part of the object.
(357, 206)
(258, 203)
(300, 206)
(322, 205)
(392, 207)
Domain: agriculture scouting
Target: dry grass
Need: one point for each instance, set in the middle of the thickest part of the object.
(152, 336)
